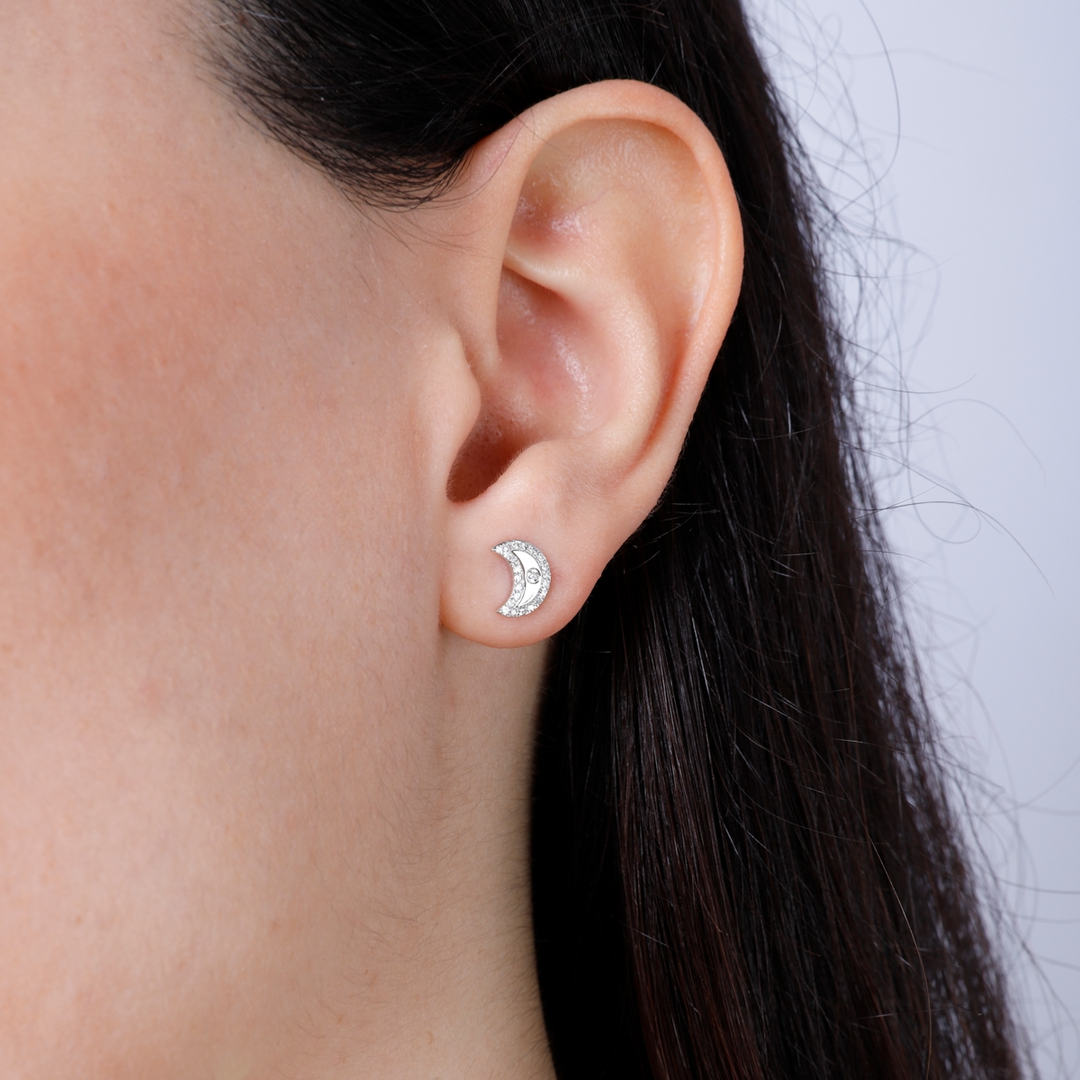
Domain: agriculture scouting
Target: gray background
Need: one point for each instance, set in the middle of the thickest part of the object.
(949, 136)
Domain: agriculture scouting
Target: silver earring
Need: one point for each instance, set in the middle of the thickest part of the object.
(532, 577)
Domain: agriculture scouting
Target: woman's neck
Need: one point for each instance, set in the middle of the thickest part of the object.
(424, 959)
(442, 976)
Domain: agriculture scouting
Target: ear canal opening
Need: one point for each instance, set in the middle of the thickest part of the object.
(485, 455)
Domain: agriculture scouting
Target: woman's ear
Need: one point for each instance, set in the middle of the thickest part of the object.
(614, 262)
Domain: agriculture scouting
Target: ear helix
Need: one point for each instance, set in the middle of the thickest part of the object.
(532, 577)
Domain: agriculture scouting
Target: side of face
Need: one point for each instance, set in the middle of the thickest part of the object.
(212, 482)
(256, 446)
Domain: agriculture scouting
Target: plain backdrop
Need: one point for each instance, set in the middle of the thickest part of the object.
(948, 136)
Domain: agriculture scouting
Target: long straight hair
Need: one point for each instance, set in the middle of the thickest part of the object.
(744, 862)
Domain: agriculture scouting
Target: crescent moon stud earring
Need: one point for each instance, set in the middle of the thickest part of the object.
(532, 577)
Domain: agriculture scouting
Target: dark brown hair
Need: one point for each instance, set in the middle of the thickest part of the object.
(744, 863)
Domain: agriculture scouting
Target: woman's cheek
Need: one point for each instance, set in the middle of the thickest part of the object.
(205, 512)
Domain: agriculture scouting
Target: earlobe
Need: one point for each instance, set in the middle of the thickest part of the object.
(618, 267)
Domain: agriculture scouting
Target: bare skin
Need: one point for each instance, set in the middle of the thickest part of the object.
(265, 739)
